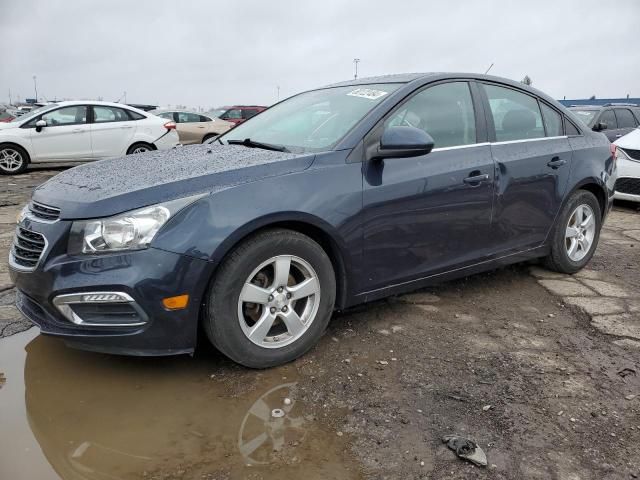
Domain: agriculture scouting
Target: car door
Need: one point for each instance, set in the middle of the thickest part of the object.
(533, 160)
(112, 131)
(66, 137)
(626, 122)
(190, 128)
(608, 124)
(431, 213)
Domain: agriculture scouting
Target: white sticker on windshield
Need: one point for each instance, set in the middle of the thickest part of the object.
(367, 93)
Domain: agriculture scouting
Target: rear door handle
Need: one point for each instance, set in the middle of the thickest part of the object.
(556, 162)
(126, 126)
(476, 179)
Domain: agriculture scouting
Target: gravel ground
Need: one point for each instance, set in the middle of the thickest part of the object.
(541, 370)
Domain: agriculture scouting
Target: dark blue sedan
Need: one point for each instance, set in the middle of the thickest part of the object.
(331, 198)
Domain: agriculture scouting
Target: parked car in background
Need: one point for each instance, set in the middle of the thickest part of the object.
(615, 120)
(6, 117)
(194, 127)
(81, 131)
(237, 113)
(628, 182)
(331, 198)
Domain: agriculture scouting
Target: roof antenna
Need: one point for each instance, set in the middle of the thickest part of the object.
(487, 71)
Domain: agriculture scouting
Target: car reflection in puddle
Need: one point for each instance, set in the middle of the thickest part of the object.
(105, 417)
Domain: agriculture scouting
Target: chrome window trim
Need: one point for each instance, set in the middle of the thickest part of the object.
(458, 147)
(539, 139)
(63, 302)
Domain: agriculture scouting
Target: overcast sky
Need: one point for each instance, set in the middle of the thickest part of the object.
(207, 53)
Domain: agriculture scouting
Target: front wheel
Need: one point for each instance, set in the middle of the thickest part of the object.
(13, 159)
(271, 299)
(576, 233)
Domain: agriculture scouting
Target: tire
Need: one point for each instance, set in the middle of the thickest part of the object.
(228, 320)
(140, 147)
(560, 259)
(13, 159)
(209, 137)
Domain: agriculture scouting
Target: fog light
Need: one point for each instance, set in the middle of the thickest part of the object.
(176, 303)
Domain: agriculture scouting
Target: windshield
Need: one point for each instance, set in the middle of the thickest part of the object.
(586, 116)
(312, 121)
(33, 113)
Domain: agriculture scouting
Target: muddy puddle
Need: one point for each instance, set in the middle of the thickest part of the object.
(77, 415)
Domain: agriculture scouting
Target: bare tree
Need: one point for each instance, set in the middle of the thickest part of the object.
(527, 80)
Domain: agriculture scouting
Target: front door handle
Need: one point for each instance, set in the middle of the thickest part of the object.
(77, 130)
(476, 178)
(556, 162)
(126, 126)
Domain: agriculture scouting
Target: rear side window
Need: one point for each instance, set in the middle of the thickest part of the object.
(104, 114)
(570, 128)
(609, 120)
(625, 118)
(552, 121)
(135, 115)
(185, 117)
(516, 116)
(443, 111)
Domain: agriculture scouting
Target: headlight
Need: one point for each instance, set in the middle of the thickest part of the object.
(132, 230)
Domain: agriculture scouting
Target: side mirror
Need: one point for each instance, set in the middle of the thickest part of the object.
(598, 127)
(40, 124)
(402, 142)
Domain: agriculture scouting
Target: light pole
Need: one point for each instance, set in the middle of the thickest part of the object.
(278, 97)
(356, 61)
(35, 86)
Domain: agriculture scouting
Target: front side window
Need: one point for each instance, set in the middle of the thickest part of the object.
(516, 115)
(105, 114)
(608, 119)
(552, 121)
(74, 115)
(443, 111)
(315, 120)
(625, 118)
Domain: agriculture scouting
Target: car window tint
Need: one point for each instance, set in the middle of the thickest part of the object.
(135, 115)
(552, 121)
(625, 118)
(570, 128)
(186, 117)
(609, 120)
(205, 119)
(444, 111)
(66, 116)
(248, 113)
(104, 114)
(235, 114)
(516, 116)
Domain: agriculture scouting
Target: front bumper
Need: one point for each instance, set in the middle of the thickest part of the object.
(628, 182)
(145, 276)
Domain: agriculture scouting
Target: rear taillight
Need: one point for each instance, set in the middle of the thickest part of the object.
(170, 125)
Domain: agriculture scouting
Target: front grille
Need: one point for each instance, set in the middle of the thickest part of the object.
(27, 248)
(44, 212)
(628, 185)
(635, 154)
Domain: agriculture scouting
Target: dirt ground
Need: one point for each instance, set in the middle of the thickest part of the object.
(541, 370)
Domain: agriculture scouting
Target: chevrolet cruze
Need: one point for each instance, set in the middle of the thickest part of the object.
(331, 198)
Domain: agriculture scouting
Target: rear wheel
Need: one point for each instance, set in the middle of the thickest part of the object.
(576, 233)
(209, 137)
(13, 159)
(139, 147)
(271, 299)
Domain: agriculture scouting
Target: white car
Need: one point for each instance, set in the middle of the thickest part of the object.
(628, 182)
(81, 131)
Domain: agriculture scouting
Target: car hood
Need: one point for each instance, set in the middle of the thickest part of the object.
(7, 125)
(116, 185)
(631, 140)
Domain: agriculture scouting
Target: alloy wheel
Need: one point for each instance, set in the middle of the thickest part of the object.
(279, 301)
(580, 232)
(10, 160)
(140, 149)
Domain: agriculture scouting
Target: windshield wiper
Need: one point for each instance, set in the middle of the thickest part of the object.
(247, 142)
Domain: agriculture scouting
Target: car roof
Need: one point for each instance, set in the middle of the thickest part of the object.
(91, 102)
(178, 110)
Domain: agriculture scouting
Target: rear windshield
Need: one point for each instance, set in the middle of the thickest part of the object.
(586, 116)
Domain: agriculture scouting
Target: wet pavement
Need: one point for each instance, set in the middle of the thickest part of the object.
(541, 370)
(74, 415)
